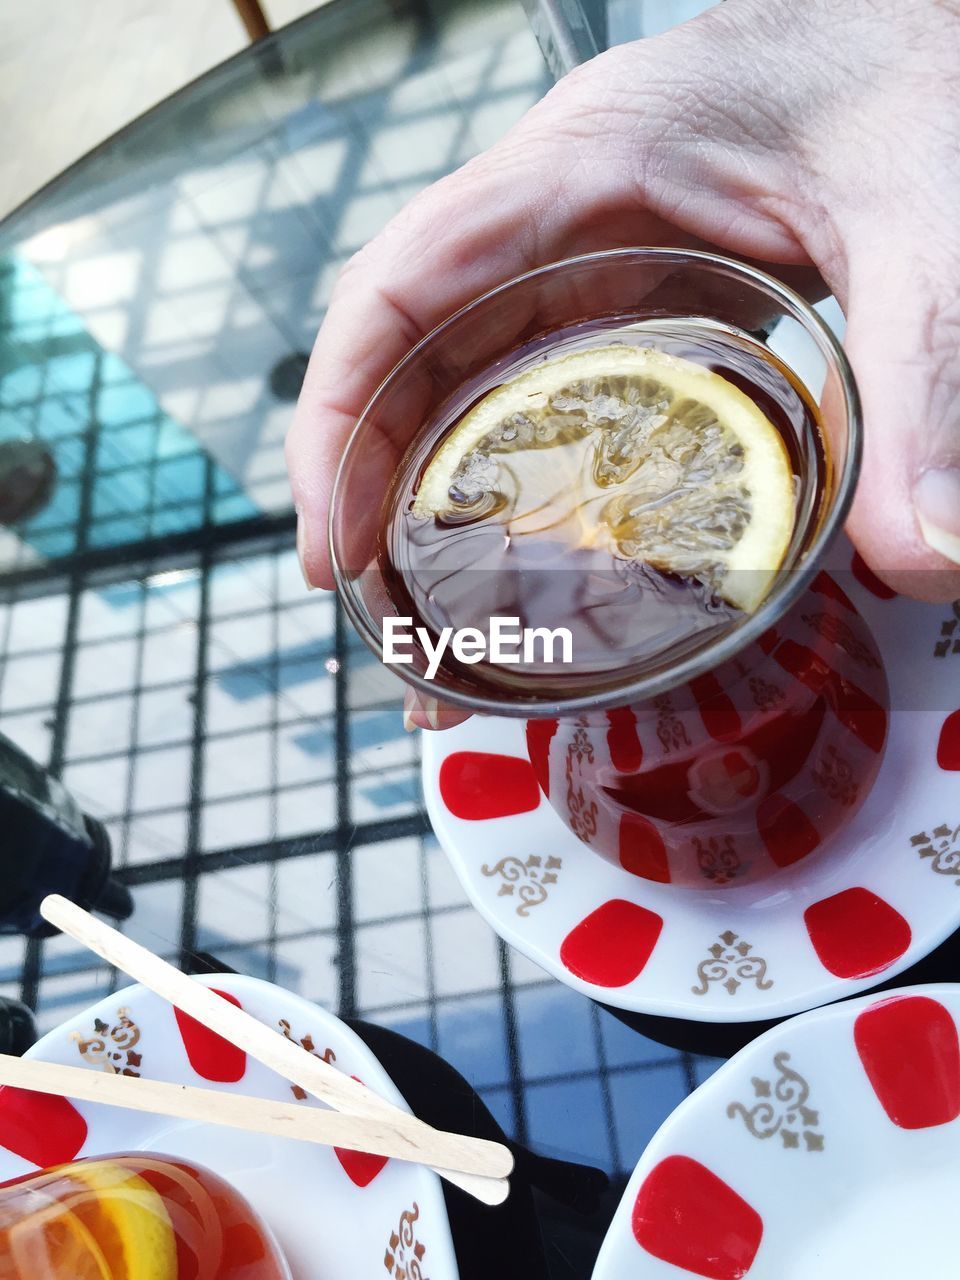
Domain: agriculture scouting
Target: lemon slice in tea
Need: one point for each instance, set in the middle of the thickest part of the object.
(651, 457)
(130, 1220)
(52, 1236)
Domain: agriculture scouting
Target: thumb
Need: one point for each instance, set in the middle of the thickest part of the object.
(903, 341)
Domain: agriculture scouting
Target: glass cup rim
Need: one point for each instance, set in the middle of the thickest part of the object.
(705, 660)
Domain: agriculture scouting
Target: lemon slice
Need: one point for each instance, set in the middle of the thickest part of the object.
(655, 458)
(53, 1236)
(129, 1219)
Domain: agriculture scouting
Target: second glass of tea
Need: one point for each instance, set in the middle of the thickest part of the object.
(616, 478)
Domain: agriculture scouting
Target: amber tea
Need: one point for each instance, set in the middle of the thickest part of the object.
(640, 486)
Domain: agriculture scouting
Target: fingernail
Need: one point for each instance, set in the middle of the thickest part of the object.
(937, 501)
(423, 711)
(409, 702)
(301, 551)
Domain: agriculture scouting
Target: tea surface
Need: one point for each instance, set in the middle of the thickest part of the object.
(606, 507)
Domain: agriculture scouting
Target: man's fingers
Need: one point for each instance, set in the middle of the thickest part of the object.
(422, 711)
(546, 191)
(903, 339)
(438, 254)
(611, 157)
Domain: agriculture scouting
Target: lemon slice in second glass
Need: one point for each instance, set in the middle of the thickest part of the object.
(131, 1221)
(652, 457)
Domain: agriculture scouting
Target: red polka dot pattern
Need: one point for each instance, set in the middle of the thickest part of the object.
(539, 736)
(360, 1167)
(40, 1127)
(855, 933)
(611, 946)
(867, 578)
(910, 1051)
(687, 1216)
(854, 708)
(478, 785)
(787, 833)
(824, 585)
(623, 742)
(642, 851)
(948, 748)
(210, 1055)
(769, 641)
(720, 717)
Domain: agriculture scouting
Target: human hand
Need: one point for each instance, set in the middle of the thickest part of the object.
(820, 135)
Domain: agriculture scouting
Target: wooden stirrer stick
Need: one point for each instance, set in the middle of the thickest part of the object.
(474, 1164)
(372, 1134)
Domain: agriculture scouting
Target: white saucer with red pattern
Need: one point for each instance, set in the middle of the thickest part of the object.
(882, 896)
(332, 1213)
(827, 1148)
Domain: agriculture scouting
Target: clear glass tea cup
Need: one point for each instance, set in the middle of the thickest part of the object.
(715, 761)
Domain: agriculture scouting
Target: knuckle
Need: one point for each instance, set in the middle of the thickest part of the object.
(355, 266)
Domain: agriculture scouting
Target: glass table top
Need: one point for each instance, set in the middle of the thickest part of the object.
(158, 649)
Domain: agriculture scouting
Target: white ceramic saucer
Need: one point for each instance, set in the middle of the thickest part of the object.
(333, 1214)
(827, 1148)
(883, 895)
